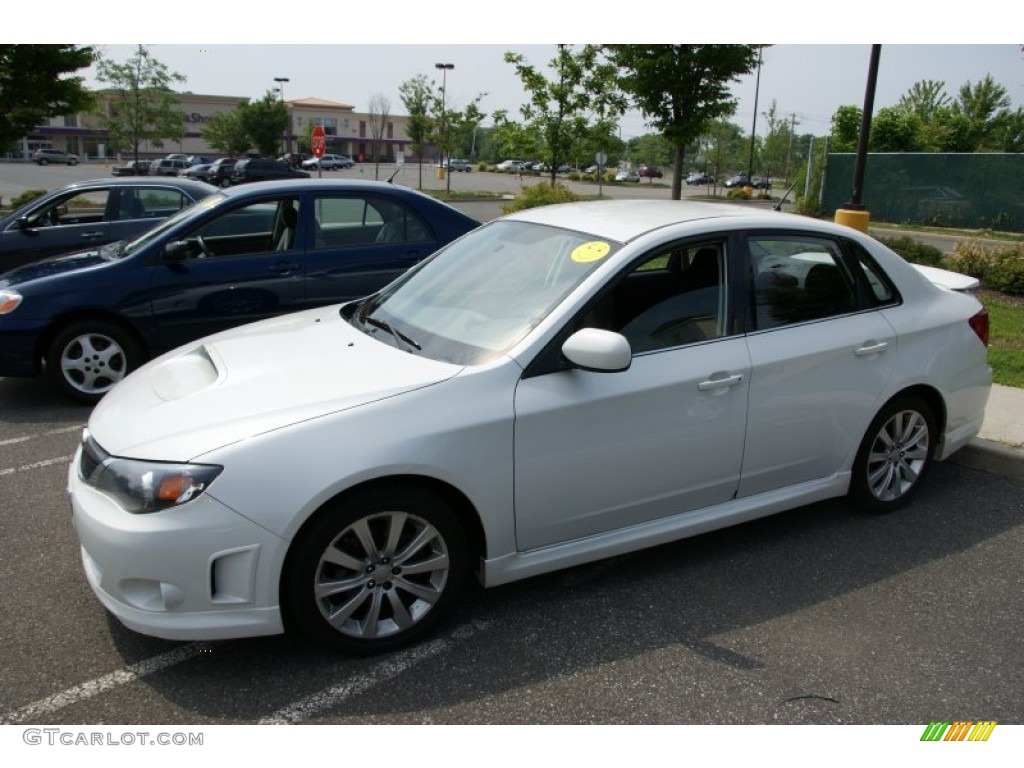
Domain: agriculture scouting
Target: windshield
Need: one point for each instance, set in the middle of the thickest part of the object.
(481, 295)
(191, 212)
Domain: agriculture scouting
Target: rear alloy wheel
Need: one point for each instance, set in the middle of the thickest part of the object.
(377, 570)
(895, 455)
(87, 358)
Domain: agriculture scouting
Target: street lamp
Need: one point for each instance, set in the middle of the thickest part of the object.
(444, 121)
(287, 128)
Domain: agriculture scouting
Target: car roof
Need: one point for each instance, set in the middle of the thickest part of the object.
(626, 220)
(298, 186)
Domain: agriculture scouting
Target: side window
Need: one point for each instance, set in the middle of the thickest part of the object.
(260, 227)
(80, 208)
(797, 279)
(152, 203)
(672, 298)
(879, 287)
(347, 221)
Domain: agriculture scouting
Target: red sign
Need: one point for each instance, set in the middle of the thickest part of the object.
(317, 143)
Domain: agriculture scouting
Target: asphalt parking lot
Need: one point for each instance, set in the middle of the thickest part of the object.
(821, 615)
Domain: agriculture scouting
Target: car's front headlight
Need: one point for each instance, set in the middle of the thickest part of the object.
(9, 301)
(142, 487)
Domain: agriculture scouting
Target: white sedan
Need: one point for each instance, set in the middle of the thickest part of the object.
(564, 384)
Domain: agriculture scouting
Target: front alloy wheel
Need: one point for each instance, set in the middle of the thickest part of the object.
(88, 358)
(376, 571)
(895, 455)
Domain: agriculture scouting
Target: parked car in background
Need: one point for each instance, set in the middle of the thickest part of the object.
(511, 165)
(220, 171)
(627, 176)
(88, 214)
(568, 383)
(258, 169)
(459, 166)
(200, 171)
(243, 254)
(295, 159)
(328, 163)
(198, 160)
(46, 156)
(168, 166)
(649, 172)
(700, 177)
(132, 168)
(742, 180)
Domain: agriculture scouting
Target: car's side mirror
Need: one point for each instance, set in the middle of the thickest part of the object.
(177, 250)
(24, 224)
(595, 349)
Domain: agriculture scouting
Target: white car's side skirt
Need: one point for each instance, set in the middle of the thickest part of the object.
(523, 565)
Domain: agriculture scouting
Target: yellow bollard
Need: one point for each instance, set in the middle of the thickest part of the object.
(440, 172)
(858, 220)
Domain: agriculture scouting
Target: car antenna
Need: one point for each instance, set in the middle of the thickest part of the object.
(778, 205)
(391, 178)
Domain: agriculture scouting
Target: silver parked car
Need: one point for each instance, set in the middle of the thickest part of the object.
(46, 156)
(561, 385)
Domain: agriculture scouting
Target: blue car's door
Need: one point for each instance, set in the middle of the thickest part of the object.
(244, 265)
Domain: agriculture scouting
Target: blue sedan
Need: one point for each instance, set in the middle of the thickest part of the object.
(239, 255)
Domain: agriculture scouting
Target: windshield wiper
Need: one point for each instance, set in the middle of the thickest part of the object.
(399, 336)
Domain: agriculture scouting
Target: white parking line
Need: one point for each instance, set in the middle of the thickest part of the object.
(26, 438)
(40, 709)
(35, 465)
(331, 697)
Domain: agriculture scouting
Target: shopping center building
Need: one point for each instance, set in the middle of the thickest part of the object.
(348, 132)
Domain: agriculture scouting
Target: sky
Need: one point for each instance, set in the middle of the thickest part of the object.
(818, 62)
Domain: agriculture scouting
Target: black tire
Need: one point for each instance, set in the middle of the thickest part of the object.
(386, 598)
(895, 455)
(86, 359)
(72, 162)
(43, 161)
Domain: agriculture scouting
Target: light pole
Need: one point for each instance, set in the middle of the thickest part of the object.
(444, 121)
(280, 89)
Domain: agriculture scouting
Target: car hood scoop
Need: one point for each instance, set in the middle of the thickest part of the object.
(250, 380)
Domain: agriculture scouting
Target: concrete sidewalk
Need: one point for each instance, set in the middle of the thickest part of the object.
(999, 447)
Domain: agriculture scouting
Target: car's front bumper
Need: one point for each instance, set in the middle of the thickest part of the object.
(200, 571)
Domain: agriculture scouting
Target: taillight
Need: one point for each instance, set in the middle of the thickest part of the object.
(979, 324)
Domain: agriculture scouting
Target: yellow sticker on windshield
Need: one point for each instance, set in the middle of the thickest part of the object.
(595, 250)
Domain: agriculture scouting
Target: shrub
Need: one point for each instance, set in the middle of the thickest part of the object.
(27, 196)
(971, 258)
(914, 251)
(541, 194)
(738, 193)
(1006, 271)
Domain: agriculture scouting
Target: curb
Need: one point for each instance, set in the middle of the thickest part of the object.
(994, 458)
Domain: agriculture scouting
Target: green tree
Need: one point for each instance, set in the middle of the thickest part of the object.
(379, 111)
(895, 130)
(650, 149)
(225, 133)
(416, 95)
(35, 85)
(981, 105)
(141, 106)
(681, 89)
(582, 92)
(265, 122)
(845, 128)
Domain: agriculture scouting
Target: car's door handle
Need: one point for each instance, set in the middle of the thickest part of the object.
(283, 267)
(91, 235)
(728, 381)
(871, 348)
